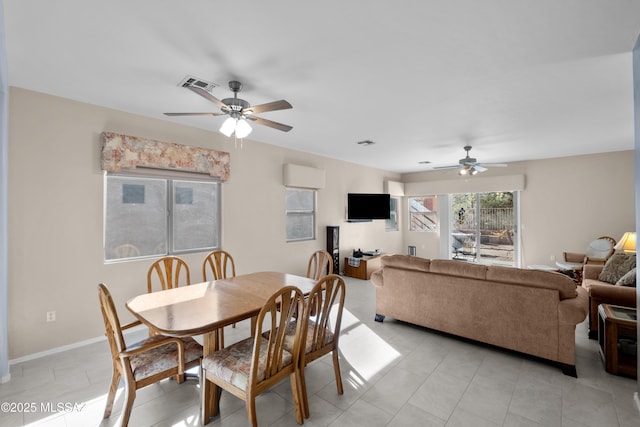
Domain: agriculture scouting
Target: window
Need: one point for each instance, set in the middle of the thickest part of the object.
(150, 216)
(423, 213)
(301, 214)
(483, 226)
(391, 224)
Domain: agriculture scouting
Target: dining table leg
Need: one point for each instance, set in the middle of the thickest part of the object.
(213, 341)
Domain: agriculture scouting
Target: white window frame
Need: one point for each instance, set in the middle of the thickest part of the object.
(168, 178)
(291, 213)
(447, 242)
(393, 223)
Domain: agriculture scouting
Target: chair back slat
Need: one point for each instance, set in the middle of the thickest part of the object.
(325, 298)
(278, 314)
(320, 264)
(170, 272)
(220, 264)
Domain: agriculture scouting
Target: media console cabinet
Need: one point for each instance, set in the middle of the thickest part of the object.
(368, 264)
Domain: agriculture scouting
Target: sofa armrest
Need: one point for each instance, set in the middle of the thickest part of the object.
(376, 278)
(572, 311)
(573, 257)
(591, 271)
(595, 261)
(612, 294)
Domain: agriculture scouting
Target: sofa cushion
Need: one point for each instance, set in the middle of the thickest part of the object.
(406, 262)
(459, 268)
(534, 278)
(629, 279)
(617, 266)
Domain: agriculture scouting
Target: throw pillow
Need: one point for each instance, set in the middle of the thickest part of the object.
(628, 279)
(617, 266)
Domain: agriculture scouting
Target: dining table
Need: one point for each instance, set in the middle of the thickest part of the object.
(205, 308)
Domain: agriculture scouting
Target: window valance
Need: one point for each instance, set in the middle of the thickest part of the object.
(483, 184)
(129, 152)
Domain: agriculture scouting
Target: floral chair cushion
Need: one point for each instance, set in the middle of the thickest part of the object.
(161, 358)
(291, 331)
(233, 363)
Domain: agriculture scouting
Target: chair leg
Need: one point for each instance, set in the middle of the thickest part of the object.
(336, 368)
(299, 396)
(210, 395)
(130, 396)
(113, 388)
(251, 410)
(302, 392)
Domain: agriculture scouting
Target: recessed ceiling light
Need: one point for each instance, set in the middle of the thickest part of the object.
(366, 142)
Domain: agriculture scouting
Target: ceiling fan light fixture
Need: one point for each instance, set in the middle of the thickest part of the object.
(463, 170)
(228, 127)
(242, 128)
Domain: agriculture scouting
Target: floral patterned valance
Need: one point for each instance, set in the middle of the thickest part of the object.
(128, 152)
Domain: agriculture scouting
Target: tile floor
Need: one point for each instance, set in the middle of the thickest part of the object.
(394, 375)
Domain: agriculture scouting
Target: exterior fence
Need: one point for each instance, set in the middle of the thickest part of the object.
(491, 219)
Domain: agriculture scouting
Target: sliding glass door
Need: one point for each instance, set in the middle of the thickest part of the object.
(483, 228)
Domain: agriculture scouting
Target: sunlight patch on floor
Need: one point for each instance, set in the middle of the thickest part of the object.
(363, 350)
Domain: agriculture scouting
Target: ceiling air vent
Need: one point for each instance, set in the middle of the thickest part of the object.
(197, 82)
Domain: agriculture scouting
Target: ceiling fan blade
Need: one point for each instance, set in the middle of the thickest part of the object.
(270, 106)
(480, 168)
(194, 114)
(270, 123)
(494, 165)
(447, 167)
(208, 96)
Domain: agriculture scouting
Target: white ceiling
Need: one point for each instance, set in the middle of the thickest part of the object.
(517, 79)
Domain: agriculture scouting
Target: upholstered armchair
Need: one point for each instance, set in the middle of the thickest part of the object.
(597, 253)
(601, 292)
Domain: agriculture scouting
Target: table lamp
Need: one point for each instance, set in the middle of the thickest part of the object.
(627, 242)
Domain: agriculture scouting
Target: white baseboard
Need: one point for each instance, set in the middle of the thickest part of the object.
(67, 347)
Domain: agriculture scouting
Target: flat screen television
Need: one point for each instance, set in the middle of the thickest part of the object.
(368, 206)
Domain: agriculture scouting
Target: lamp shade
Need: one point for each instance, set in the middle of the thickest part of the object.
(242, 128)
(228, 127)
(239, 126)
(627, 242)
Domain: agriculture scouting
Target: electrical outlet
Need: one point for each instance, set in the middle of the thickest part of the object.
(552, 257)
(51, 316)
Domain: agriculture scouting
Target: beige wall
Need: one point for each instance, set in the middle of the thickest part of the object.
(55, 212)
(566, 203)
(56, 202)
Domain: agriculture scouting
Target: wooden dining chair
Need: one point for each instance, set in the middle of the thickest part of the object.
(145, 362)
(252, 366)
(320, 264)
(321, 322)
(169, 272)
(218, 265)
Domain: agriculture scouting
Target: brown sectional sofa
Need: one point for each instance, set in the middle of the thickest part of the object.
(603, 293)
(529, 311)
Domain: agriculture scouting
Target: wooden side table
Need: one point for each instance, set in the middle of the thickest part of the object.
(368, 264)
(618, 340)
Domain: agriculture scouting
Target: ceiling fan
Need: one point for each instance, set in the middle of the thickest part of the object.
(239, 111)
(469, 165)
